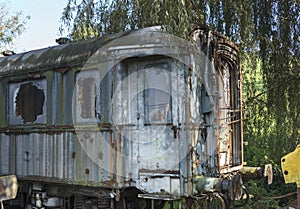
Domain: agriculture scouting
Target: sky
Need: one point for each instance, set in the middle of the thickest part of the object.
(43, 26)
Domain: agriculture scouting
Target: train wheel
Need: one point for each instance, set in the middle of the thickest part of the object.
(244, 199)
(212, 201)
(120, 204)
(144, 204)
(158, 204)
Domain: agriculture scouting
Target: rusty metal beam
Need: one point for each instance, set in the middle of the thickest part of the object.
(298, 196)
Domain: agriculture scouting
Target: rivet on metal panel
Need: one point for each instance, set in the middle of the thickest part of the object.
(138, 159)
(87, 171)
(101, 155)
(73, 155)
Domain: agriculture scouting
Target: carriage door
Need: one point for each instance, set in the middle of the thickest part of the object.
(151, 107)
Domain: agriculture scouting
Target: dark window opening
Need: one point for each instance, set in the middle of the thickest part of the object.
(87, 97)
(205, 102)
(29, 102)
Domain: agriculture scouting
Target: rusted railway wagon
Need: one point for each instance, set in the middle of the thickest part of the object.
(125, 121)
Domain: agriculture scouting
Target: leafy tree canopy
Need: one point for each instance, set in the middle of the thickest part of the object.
(11, 25)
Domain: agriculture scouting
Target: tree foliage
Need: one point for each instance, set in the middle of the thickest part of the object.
(275, 124)
(11, 25)
(91, 18)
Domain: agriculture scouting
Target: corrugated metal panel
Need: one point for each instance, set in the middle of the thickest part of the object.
(57, 156)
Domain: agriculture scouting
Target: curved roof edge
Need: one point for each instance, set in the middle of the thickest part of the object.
(69, 54)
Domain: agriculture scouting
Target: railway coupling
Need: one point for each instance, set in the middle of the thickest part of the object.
(232, 185)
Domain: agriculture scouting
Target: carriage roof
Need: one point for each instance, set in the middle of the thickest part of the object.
(70, 54)
(73, 54)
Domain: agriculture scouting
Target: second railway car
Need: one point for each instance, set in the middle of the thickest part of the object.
(129, 121)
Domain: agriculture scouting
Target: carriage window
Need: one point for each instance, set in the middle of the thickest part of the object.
(157, 105)
(87, 97)
(142, 93)
(157, 94)
(27, 101)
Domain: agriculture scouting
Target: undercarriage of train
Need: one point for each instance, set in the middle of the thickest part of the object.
(217, 193)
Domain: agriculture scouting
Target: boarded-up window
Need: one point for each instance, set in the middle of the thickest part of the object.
(87, 97)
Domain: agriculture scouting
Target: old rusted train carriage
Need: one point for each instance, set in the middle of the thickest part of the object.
(125, 121)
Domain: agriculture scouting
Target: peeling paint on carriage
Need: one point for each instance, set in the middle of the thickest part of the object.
(137, 112)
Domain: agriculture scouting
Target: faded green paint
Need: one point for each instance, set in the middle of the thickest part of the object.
(48, 76)
(2, 104)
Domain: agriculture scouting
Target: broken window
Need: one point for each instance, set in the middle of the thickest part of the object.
(27, 102)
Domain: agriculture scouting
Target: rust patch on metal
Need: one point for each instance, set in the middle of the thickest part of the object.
(62, 70)
(161, 171)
